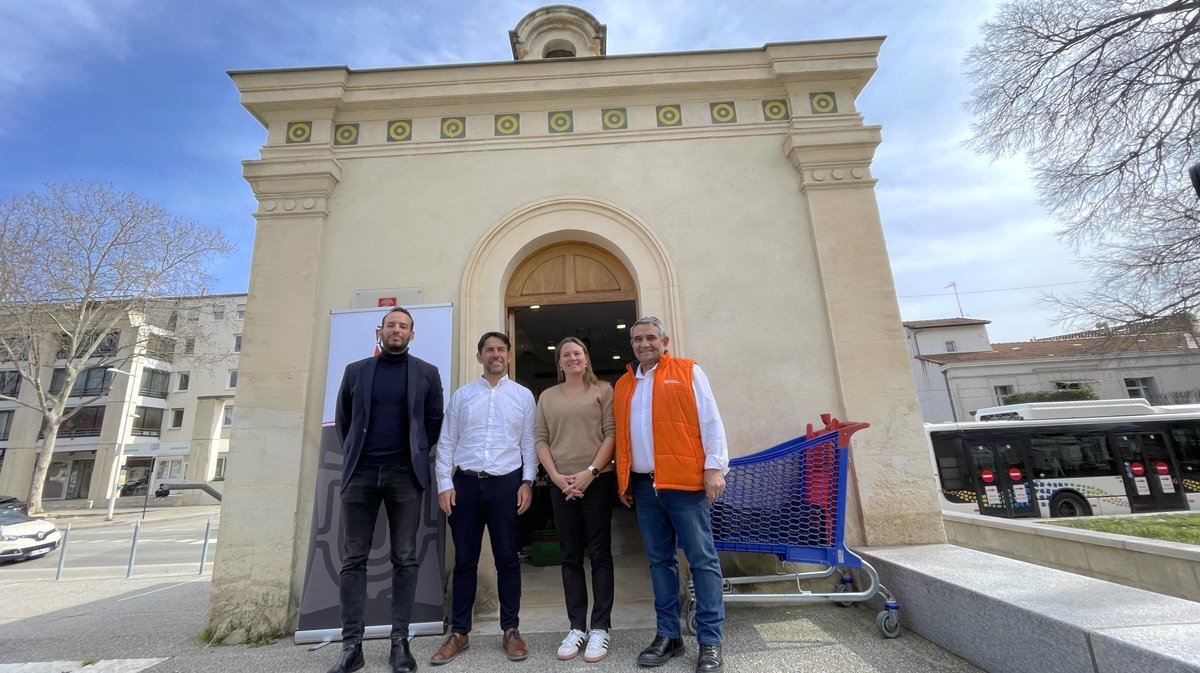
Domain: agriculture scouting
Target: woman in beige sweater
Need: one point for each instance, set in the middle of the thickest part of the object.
(574, 435)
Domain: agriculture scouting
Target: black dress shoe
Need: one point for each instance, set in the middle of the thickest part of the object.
(401, 658)
(710, 660)
(661, 649)
(351, 659)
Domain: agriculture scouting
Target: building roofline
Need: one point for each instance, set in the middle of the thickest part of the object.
(535, 62)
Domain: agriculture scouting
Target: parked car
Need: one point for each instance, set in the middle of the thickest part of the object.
(13, 502)
(135, 487)
(24, 537)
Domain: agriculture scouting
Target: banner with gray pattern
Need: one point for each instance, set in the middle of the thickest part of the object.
(352, 337)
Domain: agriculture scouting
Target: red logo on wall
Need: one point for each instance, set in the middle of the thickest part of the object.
(1138, 469)
(1014, 474)
(987, 476)
(387, 301)
(1161, 467)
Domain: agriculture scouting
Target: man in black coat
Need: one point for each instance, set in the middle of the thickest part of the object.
(388, 417)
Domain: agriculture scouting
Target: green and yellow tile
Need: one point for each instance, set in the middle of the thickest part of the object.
(614, 119)
(299, 132)
(454, 128)
(400, 130)
(669, 115)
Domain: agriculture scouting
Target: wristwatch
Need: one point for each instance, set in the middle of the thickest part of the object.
(594, 470)
(527, 482)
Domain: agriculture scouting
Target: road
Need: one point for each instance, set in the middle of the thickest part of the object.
(99, 545)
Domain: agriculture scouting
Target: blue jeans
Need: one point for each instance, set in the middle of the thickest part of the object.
(398, 492)
(665, 516)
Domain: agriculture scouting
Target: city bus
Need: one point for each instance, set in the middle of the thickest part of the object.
(1068, 459)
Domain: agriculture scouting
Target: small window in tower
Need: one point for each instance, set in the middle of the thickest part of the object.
(559, 49)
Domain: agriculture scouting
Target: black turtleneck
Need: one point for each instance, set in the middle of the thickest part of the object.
(387, 430)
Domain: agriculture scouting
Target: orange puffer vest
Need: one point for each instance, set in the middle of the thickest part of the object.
(678, 450)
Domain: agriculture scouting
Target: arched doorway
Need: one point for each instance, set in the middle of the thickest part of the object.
(569, 289)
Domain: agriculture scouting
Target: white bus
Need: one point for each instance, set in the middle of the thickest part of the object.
(1063, 459)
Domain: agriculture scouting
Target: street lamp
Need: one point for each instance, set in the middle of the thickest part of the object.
(121, 434)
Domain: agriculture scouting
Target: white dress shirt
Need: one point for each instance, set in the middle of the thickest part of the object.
(488, 429)
(641, 434)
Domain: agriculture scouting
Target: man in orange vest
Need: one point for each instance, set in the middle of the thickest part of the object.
(671, 460)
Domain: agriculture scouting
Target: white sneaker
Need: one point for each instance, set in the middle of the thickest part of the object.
(597, 646)
(571, 644)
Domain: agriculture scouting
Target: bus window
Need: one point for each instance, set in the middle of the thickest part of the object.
(1187, 450)
(1063, 456)
(954, 475)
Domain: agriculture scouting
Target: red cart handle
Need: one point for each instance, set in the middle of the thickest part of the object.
(844, 429)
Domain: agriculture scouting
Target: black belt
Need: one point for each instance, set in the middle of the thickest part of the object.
(647, 475)
(478, 475)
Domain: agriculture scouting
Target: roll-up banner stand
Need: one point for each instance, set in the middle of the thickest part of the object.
(352, 337)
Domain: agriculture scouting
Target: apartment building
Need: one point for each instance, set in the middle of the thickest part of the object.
(158, 400)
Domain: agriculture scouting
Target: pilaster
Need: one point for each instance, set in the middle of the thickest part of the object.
(891, 471)
(261, 563)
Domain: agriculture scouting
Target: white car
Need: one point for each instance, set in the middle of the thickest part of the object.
(24, 537)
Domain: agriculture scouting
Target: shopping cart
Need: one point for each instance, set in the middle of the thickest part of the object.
(790, 501)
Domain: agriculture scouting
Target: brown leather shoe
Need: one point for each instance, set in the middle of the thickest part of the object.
(513, 646)
(455, 643)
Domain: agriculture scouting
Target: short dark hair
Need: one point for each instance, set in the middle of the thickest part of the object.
(488, 335)
(401, 309)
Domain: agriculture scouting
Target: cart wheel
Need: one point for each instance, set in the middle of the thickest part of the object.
(689, 616)
(841, 589)
(888, 623)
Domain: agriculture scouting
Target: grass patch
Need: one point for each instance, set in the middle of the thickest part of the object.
(264, 639)
(205, 637)
(1173, 528)
(89, 661)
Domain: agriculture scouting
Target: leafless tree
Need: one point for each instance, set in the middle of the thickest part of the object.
(87, 280)
(1103, 99)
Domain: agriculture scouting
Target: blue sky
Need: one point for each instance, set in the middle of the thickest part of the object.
(134, 92)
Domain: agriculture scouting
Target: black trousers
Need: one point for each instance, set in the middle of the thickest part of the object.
(489, 502)
(398, 492)
(585, 524)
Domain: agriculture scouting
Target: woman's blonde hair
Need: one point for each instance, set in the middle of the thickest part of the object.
(589, 376)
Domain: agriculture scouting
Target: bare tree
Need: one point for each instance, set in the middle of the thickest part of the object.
(88, 277)
(1103, 98)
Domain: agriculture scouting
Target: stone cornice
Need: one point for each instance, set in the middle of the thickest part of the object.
(290, 186)
(769, 69)
(832, 156)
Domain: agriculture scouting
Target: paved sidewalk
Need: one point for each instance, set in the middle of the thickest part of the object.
(99, 622)
(120, 626)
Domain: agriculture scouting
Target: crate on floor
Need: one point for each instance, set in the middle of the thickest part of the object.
(544, 549)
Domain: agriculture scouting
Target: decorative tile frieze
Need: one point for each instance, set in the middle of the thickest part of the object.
(776, 110)
(822, 102)
(560, 121)
(454, 128)
(508, 124)
(722, 113)
(299, 132)
(345, 134)
(669, 115)
(399, 130)
(614, 119)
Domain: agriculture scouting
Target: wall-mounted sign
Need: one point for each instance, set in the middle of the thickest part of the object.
(158, 449)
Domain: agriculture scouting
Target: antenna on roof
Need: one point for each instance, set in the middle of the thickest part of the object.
(956, 299)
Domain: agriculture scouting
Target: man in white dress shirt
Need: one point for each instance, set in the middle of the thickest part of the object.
(486, 462)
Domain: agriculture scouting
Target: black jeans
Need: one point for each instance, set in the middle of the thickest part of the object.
(490, 502)
(399, 493)
(585, 524)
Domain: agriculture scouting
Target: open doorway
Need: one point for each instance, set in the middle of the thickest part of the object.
(573, 289)
(603, 326)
